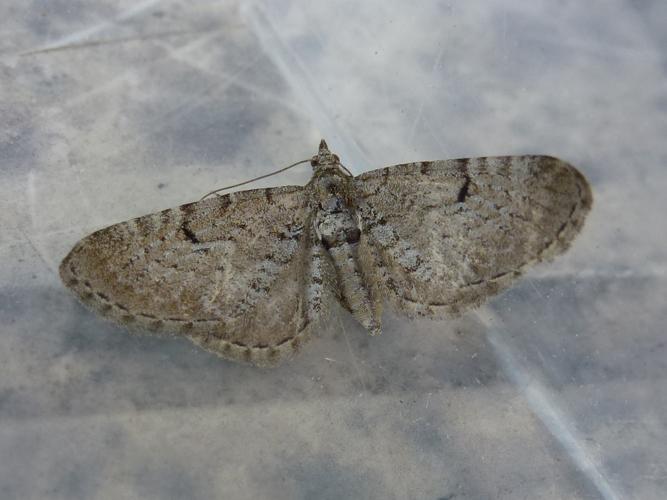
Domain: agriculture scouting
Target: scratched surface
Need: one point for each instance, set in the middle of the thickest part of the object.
(110, 110)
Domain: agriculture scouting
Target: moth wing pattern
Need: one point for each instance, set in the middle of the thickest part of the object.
(236, 274)
(448, 234)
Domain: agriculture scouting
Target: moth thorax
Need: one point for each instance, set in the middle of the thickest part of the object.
(331, 183)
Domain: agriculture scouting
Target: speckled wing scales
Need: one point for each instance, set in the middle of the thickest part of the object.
(236, 274)
(448, 234)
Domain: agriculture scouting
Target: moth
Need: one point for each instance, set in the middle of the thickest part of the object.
(250, 275)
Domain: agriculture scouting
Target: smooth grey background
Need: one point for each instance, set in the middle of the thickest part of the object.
(556, 389)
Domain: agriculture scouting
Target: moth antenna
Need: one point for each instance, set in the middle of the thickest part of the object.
(216, 191)
(346, 169)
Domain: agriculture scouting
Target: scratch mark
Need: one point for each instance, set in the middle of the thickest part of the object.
(537, 291)
(546, 407)
(110, 41)
(298, 76)
(420, 111)
(81, 35)
(353, 359)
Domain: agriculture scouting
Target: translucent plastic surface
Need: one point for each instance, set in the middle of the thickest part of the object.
(555, 389)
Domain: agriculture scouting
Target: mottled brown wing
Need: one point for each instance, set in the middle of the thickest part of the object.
(232, 273)
(448, 234)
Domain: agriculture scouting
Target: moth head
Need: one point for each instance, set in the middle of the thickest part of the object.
(324, 157)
